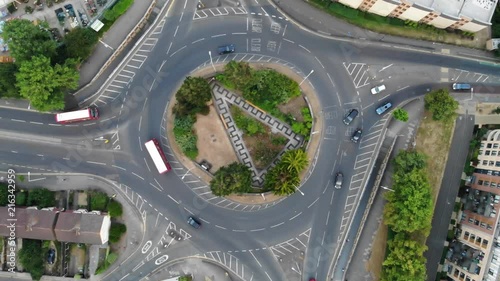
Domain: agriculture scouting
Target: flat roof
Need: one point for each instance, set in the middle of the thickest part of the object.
(479, 10)
(79, 114)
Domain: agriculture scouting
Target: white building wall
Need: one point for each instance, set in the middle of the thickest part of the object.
(414, 14)
(352, 3)
(106, 224)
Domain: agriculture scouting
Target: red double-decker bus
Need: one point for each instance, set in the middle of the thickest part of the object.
(156, 153)
(90, 113)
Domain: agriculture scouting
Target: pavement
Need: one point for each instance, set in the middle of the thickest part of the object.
(199, 269)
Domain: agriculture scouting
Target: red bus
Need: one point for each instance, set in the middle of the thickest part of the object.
(90, 113)
(156, 153)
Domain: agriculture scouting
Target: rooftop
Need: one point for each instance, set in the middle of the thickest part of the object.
(479, 10)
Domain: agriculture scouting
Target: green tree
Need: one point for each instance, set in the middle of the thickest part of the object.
(400, 114)
(192, 97)
(31, 257)
(4, 194)
(116, 231)
(41, 197)
(8, 89)
(80, 42)
(295, 160)
(281, 181)
(405, 261)
(270, 88)
(409, 206)
(186, 278)
(115, 209)
(27, 40)
(441, 104)
(234, 178)
(44, 85)
(239, 73)
(407, 161)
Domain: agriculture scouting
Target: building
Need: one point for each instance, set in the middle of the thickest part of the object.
(467, 15)
(489, 153)
(29, 224)
(82, 228)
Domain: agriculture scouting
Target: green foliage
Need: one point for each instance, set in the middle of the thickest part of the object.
(32, 259)
(405, 260)
(496, 110)
(44, 85)
(303, 128)
(41, 197)
(21, 198)
(8, 89)
(186, 278)
(115, 209)
(80, 42)
(184, 135)
(116, 231)
(98, 200)
(441, 104)
(118, 9)
(495, 23)
(247, 124)
(110, 259)
(407, 161)
(295, 160)
(4, 194)
(192, 97)
(238, 74)
(234, 178)
(20, 178)
(26, 40)
(400, 114)
(280, 180)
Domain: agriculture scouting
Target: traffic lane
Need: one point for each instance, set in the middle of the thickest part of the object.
(449, 189)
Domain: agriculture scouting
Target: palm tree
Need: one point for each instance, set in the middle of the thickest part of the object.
(295, 160)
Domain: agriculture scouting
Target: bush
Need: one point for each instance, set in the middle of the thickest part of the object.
(110, 259)
(192, 97)
(116, 231)
(441, 104)
(21, 198)
(186, 278)
(98, 201)
(41, 197)
(234, 178)
(185, 138)
(119, 8)
(115, 209)
(31, 257)
(247, 124)
(4, 194)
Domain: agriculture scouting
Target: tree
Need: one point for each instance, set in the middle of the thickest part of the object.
(44, 85)
(406, 161)
(441, 104)
(409, 207)
(234, 178)
(80, 42)
(116, 231)
(26, 40)
(31, 257)
(115, 209)
(280, 180)
(238, 73)
(271, 87)
(295, 159)
(4, 194)
(41, 197)
(400, 114)
(8, 89)
(186, 278)
(405, 261)
(192, 97)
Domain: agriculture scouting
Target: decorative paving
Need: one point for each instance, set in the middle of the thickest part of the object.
(223, 99)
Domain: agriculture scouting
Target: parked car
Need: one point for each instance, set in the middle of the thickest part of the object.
(339, 178)
(357, 135)
(194, 222)
(378, 89)
(350, 116)
(383, 108)
(461, 86)
(51, 256)
(226, 49)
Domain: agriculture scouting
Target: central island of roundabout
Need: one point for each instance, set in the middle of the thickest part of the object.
(248, 130)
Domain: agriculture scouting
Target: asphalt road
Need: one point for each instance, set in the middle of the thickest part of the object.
(133, 104)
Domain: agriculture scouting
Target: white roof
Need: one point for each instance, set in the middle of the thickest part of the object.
(155, 155)
(79, 114)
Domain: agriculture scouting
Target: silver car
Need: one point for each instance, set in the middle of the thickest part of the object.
(339, 178)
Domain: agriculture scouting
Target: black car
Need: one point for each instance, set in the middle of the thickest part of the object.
(226, 49)
(357, 135)
(51, 256)
(194, 222)
(350, 116)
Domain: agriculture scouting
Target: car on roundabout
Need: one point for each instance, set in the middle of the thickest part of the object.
(350, 116)
(357, 135)
(194, 222)
(339, 178)
(377, 89)
(226, 49)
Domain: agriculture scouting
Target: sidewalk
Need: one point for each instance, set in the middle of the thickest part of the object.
(369, 252)
(323, 23)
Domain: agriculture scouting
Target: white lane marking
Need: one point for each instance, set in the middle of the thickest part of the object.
(313, 202)
(276, 225)
(304, 48)
(295, 216)
(97, 163)
(255, 258)
(17, 120)
(173, 199)
(118, 167)
(218, 35)
(137, 176)
(221, 227)
(38, 123)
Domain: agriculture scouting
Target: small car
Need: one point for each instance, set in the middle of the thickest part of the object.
(194, 222)
(312, 279)
(383, 108)
(350, 116)
(357, 135)
(339, 178)
(51, 256)
(461, 86)
(378, 89)
(226, 49)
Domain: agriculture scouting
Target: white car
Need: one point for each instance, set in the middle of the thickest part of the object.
(378, 89)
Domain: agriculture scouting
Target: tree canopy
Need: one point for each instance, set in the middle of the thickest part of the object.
(26, 40)
(192, 97)
(8, 88)
(238, 73)
(441, 104)
(41, 197)
(400, 114)
(295, 160)
(406, 161)
(80, 42)
(31, 257)
(405, 261)
(44, 85)
(234, 178)
(282, 181)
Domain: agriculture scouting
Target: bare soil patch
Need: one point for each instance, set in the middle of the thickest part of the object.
(377, 257)
(293, 107)
(264, 147)
(213, 142)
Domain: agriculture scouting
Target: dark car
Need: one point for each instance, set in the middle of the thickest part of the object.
(461, 86)
(194, 222)
(383, 108)
(350, 116)
(227, 49)
(357, 135)
(51, 256)
(339, 178)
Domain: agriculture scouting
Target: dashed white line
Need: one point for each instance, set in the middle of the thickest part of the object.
(276, 225)
(304, 48)
(218, 35)
(97, 163)
(295, 216)
(196, 41)
(13, 151)
(313, 202)
(173, 199)
(41, 155)
(176, 29)
(289, 41)
(118, 167)
(17, 120)
(221, 227)
(137, 176)
(38, 123)
(255, 230)
(327, 218)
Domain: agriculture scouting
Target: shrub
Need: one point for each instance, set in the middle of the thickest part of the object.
(31, 257)
(234, 178)
(21, 198)
(185, 138)
(192, 97)
(247, 124)
(98, 200)
(41, 197)
(119, 8)
(115, 209)
(116, 231)
(4, 194)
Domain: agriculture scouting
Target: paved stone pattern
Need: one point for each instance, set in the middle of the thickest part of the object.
(223, 99)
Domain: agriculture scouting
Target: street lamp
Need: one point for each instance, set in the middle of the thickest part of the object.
(297, 189)
(386, 188)
(186, 173)
(312, 71)
(211, 61)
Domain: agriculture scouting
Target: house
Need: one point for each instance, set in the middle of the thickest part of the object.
(82, 228)
(30, 223)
